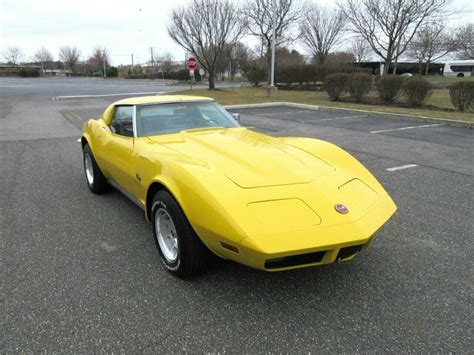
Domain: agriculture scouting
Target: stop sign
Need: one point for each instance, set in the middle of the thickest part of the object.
(191, 63)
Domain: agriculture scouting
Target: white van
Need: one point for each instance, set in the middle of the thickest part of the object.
(459, 68)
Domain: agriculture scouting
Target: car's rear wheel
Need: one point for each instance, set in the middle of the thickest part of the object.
(95, 179)
(181, 251)
(461, 75)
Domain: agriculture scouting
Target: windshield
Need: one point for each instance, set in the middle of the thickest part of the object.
(159, 119)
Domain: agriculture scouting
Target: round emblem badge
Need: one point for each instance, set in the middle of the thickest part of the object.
(341, 208)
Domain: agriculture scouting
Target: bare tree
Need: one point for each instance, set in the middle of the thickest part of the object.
(99, 60)
(289, 58)
(321, 30)
(70, 56)
(432, 42)
(165, 62)
(235, 59)
(259, 22)
(240, 56)
(340, 58)
(388, 26)
(223, 62)
(45, 57)
(13, 55)
(359, 49)
(465, 36)
(204, 28)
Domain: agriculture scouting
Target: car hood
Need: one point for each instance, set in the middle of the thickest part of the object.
(249, 159)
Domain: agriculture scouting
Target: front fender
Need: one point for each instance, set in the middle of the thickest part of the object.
(199, 193)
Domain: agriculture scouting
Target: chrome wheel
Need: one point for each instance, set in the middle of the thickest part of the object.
(166, 235)
(89, 168)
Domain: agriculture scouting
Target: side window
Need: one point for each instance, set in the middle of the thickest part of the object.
(122, 121)
(461, 68)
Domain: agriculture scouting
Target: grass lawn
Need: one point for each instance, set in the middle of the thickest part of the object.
(439, 79)
(249, 95)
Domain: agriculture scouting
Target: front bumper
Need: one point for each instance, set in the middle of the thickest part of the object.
(313, 246)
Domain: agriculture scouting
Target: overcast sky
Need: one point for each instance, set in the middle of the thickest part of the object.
(124, 27)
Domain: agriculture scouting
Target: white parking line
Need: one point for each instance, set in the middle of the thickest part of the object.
(402, 167)
(76, 116)
(340, 118)
(410, 127)
(281, 113)
(106, 95)
(18, 86)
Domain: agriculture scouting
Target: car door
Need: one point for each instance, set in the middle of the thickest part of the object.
(118, 142)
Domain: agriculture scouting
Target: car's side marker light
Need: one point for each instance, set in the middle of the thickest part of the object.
(230, 247)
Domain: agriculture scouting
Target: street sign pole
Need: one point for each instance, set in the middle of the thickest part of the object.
(191, 64)
(191, 75)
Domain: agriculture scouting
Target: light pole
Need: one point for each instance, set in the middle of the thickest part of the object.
(273, 89)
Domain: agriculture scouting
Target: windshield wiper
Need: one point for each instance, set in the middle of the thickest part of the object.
(200, 129)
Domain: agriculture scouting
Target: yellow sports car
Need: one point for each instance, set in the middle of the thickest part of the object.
(210, 186)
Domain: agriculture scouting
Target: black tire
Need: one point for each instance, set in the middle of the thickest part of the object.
(98, 184)
(461, 75)
(192, 255)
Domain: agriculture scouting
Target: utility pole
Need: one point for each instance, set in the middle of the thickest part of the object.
(152, 61)
(103, 62)
(272, 89)
(132, 64)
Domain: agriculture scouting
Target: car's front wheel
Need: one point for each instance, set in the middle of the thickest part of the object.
(181, 251)
(95, 179)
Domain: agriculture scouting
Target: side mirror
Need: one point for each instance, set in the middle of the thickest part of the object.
(236, 116)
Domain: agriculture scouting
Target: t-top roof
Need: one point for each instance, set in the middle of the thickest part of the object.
(160, 99)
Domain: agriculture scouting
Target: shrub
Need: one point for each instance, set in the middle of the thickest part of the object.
(255, 74)
(112, 72)
(289, 74)
(181, 75)
(28, 72)
(359, 85)
(335, 85)
(321, 72)
(389, 87)
(462, 95)
(308, 74)
(311, 73)
(417, 90)
(350, 69)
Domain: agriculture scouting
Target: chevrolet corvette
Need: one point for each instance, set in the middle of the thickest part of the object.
(211, 187)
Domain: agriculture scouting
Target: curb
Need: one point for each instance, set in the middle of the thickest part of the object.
(73, 97)
(455, 123)
(263, 104)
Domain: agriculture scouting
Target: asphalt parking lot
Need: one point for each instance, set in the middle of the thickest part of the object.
(81, 273)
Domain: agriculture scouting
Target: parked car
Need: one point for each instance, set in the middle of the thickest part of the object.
(211, 187)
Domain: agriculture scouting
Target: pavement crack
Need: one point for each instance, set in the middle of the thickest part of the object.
(6, 108)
